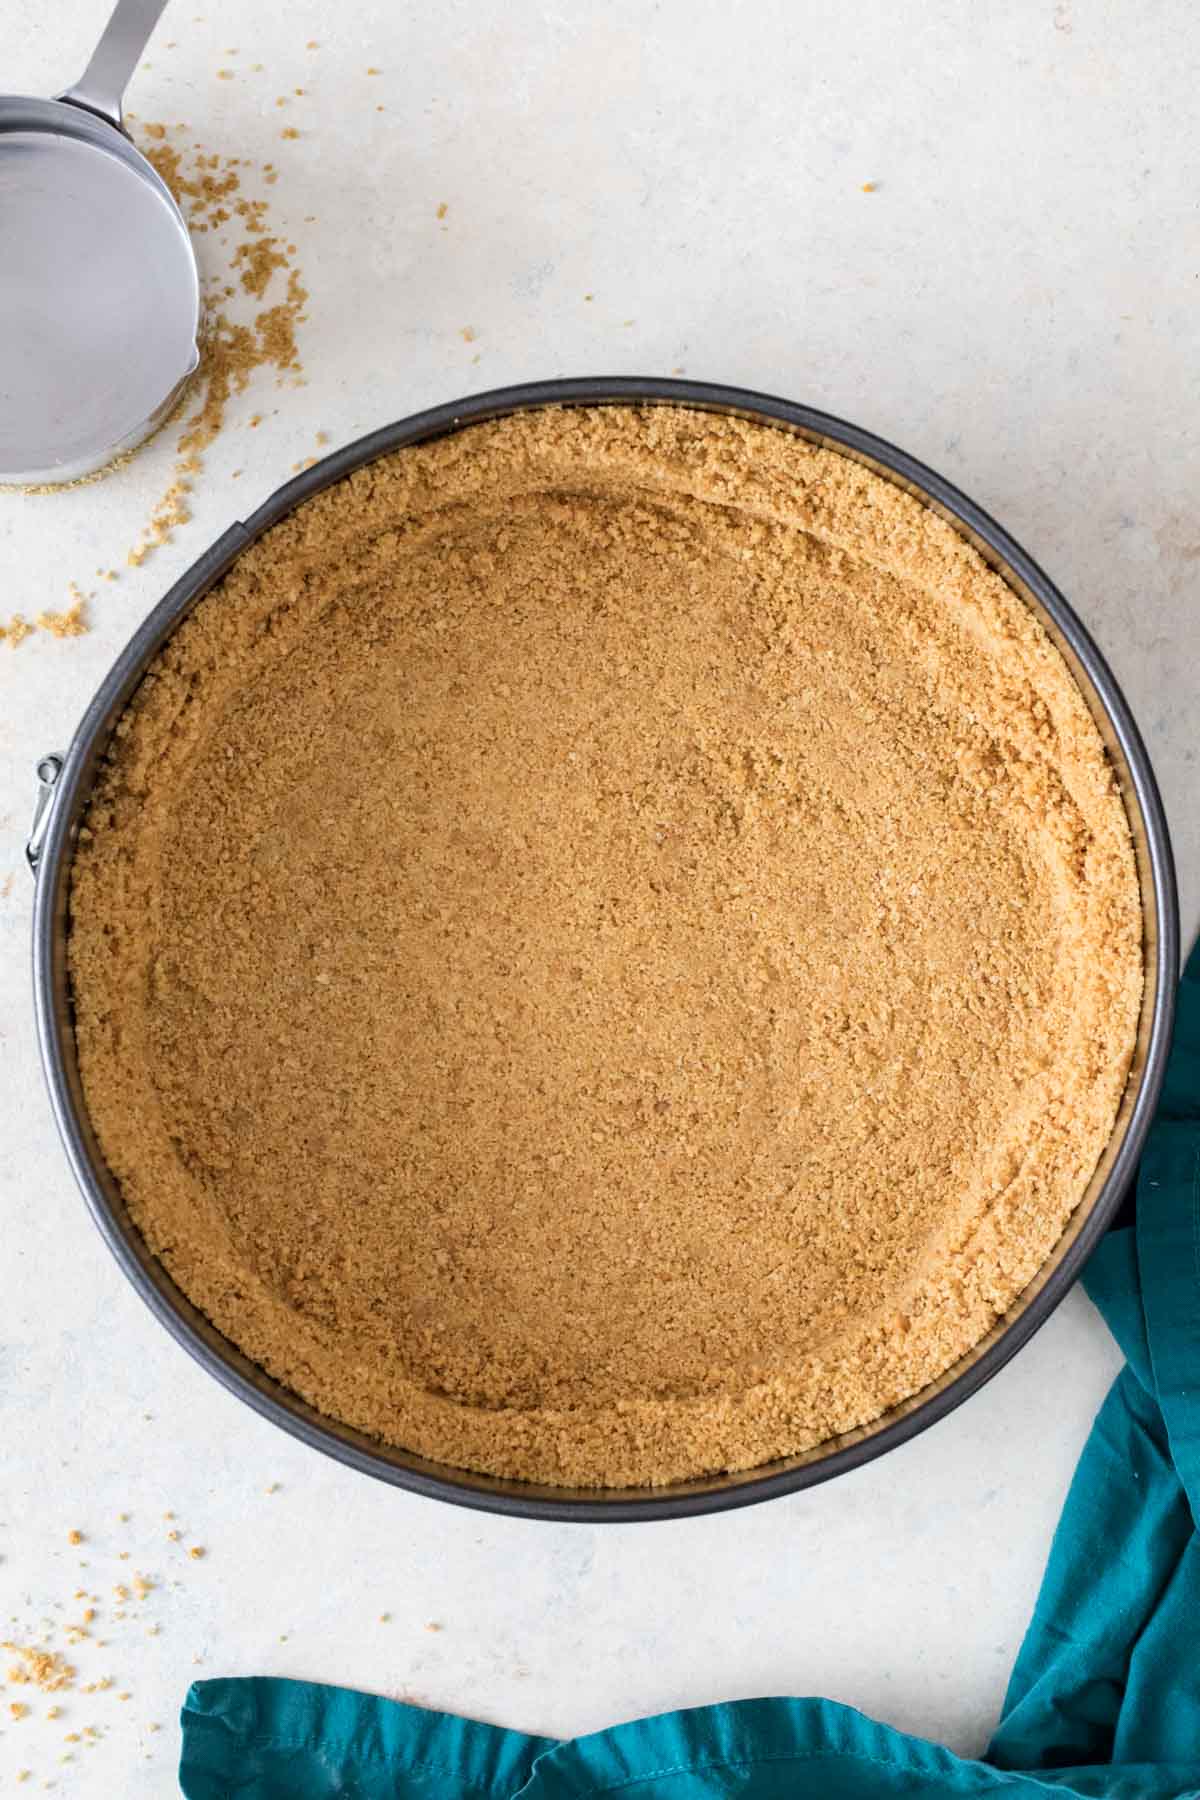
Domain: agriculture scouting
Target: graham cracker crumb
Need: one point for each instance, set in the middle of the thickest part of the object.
(208, 189)
(258, 259)
(749, 921)
(36, 1667)
(70, 623)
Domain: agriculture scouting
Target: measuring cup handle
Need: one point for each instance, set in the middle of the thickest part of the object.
(114, 59)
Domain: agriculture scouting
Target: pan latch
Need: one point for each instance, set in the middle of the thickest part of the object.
(48, 772)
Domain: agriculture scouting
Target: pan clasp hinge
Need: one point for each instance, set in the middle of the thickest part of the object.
(48, 771)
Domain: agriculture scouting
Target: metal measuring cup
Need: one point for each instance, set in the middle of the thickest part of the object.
(99, 289)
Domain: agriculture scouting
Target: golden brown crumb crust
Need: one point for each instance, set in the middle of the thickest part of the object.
(608, 948)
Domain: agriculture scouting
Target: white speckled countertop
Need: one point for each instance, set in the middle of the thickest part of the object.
(1016, 303)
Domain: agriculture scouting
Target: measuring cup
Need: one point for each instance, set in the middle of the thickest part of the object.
(99, 289)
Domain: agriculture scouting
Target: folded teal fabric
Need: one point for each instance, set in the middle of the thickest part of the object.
(1105, 1697)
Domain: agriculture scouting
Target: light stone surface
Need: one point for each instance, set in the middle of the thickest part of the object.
(1015, 304)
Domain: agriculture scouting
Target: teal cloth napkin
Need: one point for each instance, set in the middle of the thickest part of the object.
(1105, 1696)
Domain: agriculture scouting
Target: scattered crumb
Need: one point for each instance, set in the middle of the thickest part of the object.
(374, 71)
(870, 187)
(224, 74)
(289, 132)
(18, 1709)
(433, 1625)
(64, 624)
(468, 334)
(74, 1537)
(209, 191)
(385, 1618)
(312, 44)
(589, 296)
(196, 1552)
(36, 1667)
(442, 210)
(258, 258)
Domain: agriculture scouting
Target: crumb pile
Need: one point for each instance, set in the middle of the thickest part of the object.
(607, 949)
(208, 190)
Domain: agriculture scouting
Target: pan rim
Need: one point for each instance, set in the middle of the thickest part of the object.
(709, 1494)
